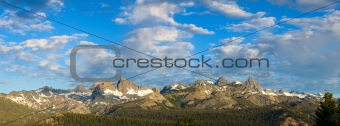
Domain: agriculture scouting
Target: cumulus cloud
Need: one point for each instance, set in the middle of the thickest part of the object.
(159, 42)
(95, 63)
(86, 43)
(35, 6)
(9, 21)
(253, 24)
(235, 49)
(195, 29)
(50, 44)
(120, 21)
(156, 12)
(155, 40)
(38, 57)
(187, 4)
(21, 22)
(53, 67)
(231, 9)
(309, 51)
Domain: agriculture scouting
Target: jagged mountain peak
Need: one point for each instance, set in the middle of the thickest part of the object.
(45, 89)
(125, 85)
(124, 89)
(254, 85)
(101, 86)
(282, 91)
(80, 88)
(202, 82)
(49, 90)
(221, 81)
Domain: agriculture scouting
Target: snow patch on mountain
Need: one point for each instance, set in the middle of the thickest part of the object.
(115, 92)
(174, 87)
(295, 94)
(290, 94)
(238, 82)
(139, 92)
(21, 100)
(144, 92)
(67, 95)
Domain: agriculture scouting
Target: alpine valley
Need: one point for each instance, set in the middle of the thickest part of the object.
(125, 103)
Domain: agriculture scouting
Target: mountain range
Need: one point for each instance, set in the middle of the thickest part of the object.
(103, 98)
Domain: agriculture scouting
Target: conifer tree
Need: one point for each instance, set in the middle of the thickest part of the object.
(327, 114)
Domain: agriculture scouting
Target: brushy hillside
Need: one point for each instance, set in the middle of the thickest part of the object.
(10, 110)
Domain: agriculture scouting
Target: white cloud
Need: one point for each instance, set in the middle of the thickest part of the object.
(253, 24)
(187, 4)
(21, 22)
(310, 50)
(35, 43)
(52, 43)
(49, 65)
(160, 42)
(61, 40)
(152, 13)
(9, 21)
(185, 13)
(41, 14)
(95, 63)
(235, 49)
(195, 29)
(231, 9)
(120, 21)
(38, 57)
(56, 4)
(327, 23)
(87, 43)
(150, 40)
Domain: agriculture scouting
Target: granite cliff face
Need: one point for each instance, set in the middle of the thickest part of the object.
(254, 85)
(81, 88)
(221, 81)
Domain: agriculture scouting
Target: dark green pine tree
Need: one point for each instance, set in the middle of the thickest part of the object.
(186, 121)
(338, 113)
(327, 114)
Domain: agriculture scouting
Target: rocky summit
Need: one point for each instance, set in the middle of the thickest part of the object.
(221, 81)
(254, 85)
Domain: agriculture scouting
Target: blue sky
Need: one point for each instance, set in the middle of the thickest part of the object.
(303, 52)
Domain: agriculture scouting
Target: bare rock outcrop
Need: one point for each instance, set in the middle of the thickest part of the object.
(254, 85)
(221, 81)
